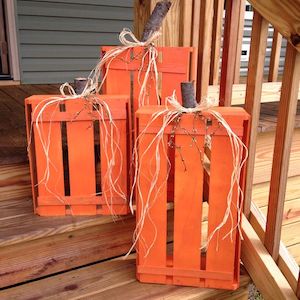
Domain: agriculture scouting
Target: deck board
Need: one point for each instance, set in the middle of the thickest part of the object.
(113, 279)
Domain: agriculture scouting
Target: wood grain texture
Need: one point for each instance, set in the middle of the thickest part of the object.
(270, 92)
(261, 266)
(114, 279)
(216, 42)
(275, 56)
(204, 48)
(34, 259)
(284, 15)
(229, 50)
(141, 15)
(253, 94)
(282, 148)
(239, 42)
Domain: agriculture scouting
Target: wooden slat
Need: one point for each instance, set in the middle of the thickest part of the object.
(196, 23)
(239, 42)
(284, 15)
(186, 22)
(261, 266)
(154, 231)
(49, 182)
(216, 42)
(283, 141)
(80, 141)
(253, 94)
(275, 56)
(219, 186)
(229, 51)
(204, 48)
(188, 206)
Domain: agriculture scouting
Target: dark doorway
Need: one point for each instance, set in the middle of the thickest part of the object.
(4, 64)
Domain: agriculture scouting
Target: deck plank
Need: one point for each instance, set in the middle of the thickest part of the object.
(114, 279)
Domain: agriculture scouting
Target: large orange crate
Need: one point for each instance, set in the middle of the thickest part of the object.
(217, 265)
(77, 183)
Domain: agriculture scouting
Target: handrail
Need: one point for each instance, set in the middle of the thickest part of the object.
(284, 15)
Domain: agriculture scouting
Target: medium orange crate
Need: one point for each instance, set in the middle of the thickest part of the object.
(217, 265)
(174, 65)
(77, 180)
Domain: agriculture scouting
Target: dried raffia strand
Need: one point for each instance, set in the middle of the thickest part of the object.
(88, 92)
(170, 114)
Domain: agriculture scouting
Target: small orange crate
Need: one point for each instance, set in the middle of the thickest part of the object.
(218, 265)
(77, 163)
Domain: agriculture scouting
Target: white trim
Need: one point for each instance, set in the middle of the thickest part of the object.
(12, 39)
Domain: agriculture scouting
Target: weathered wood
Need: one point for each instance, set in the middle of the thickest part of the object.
(204, 48)
(34, 259)
(275, 56)
(216, 41)
(15, 181)
(284, 15)
(114, 279)
(196, 23)
(156, 18)
(261, 266)
(283, 142)
(229, 51)
(239, 42)
(253, 94)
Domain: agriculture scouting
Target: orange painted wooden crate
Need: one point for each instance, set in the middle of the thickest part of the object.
(174, 65)
(77, 157)
(218, 265)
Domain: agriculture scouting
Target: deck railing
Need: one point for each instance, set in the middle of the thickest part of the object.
(199, 24)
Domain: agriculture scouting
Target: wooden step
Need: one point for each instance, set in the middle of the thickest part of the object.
(33, 246)
(113, 279)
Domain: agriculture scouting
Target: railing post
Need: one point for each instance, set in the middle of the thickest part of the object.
(216, 42)
(282, 148)
(275, 56)
(229, 50)
(253, 95)
(237, 66)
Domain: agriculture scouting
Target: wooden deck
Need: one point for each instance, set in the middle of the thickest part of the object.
(96, 239)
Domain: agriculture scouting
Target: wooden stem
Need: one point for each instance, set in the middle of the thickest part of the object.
(188, 95)
(154, 23)
(79, 84)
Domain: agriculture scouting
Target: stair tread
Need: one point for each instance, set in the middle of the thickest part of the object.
(113, 279)
(19, 224)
